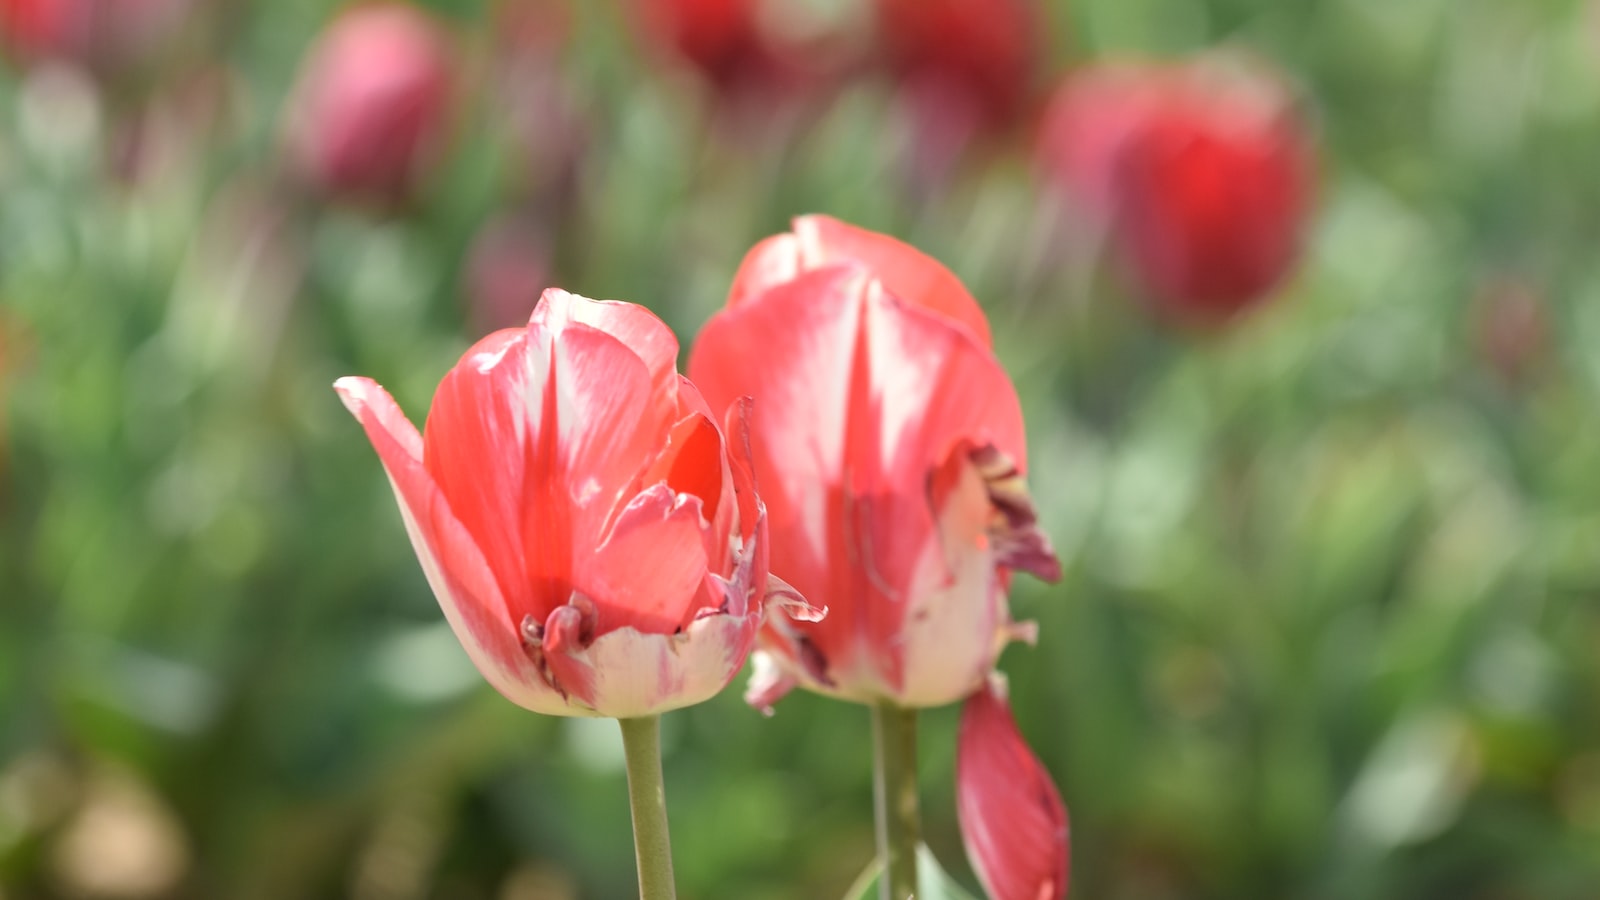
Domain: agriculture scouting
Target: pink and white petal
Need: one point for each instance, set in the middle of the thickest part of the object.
(794, 354)
(633, 673)
(1012, 820)
(650, 570)
(609, 426)
(907, 272)
(474, 448)
(467, 591)
(958, 613)
(636, 327)
(769, 263)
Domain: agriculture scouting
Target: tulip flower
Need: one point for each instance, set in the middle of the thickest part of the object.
(591, 531)
(1203, 176)
(589, 527)
(372, 103)
(888, 442)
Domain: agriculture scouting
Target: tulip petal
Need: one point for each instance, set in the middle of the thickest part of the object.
(627, 673)
(768, 264)
(632, 325)
(455, 567)
(907, 272)
(1012, 820)
(1017, 541)
(472, 444)
(652, 565)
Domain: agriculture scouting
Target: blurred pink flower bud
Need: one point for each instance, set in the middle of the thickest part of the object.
(591, 531)
(105, 35)
(1204, 175)
(372, 104)
(44, 29)
(1012, 819)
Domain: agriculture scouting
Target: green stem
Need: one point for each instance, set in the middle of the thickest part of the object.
(641, 742)
(894, 794)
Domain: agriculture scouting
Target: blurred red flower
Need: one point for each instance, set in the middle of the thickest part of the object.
(1204, 177)
(590, 530)
(726, 41)
(371, 106)
(972, 60)
(106, 35)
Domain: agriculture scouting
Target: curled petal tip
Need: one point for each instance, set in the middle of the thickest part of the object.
(1012, 820)
(783, 597)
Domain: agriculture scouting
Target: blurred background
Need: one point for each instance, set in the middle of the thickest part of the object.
(1302, 299)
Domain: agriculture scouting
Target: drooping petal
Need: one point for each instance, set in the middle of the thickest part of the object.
(455, 568)
(907, 272)
(1012, 820)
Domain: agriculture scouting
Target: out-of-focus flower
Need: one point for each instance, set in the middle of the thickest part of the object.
(889, 446)
(1203, 174)
(44, 29)
(534, 106)
(1012, 819)
(1511, 329)
(507, 269)
(758, 57)
(370, 111)
(970, 61)
(591, 532)
(106, 35)
(724, 40)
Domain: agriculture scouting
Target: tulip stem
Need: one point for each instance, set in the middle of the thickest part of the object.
(894, 794)
(647, 795)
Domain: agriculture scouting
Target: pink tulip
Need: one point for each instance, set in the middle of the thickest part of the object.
(372, 103)
(591, 532)
(889, 446)
(1012, 819)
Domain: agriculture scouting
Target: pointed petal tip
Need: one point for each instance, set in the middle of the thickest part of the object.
(1013, 822)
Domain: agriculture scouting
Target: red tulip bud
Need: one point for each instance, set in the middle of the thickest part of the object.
(372, 103)
(1205, 179)
(974, 59)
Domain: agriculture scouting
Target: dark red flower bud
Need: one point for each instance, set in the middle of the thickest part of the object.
(974, 58)
(1204, 176)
